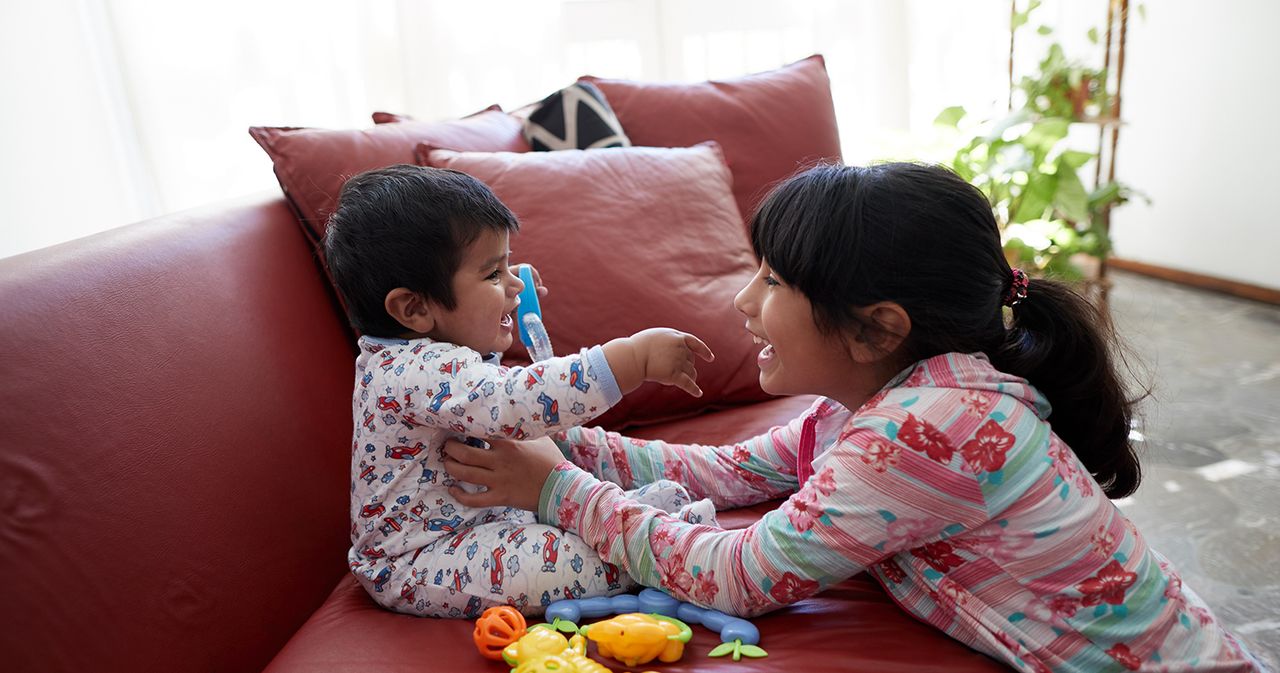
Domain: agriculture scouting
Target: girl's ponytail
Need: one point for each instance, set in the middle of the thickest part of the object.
(1062, 344)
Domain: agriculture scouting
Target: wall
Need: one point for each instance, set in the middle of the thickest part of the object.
(1201, 102)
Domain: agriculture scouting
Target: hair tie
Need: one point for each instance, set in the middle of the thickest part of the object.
(1017, 288)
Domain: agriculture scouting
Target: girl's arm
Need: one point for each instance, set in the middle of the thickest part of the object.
(870, 497)
(752, 471)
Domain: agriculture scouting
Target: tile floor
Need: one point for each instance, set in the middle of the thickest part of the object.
(1210, 498)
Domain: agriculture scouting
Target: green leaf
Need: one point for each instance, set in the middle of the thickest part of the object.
(1044, 30)
(1142, 10)
(1071, 197)
(1046, 133)
(721, 650)
(1019, 19)
(1075, 158)
(753, 651)
(1037, 197)
(950, 117)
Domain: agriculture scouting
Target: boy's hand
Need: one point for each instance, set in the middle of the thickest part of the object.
(660, 354)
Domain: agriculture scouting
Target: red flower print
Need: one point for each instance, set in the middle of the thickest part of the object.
(567, 512)
(975, 403)
(663, 538)
(874, 401)
(802, 509)
(986, 451)
(792, 588)
(1173, 590)
(1064, 606)
(584, 454)
(619, 455)
(908, 533)
(881, 455)
(940, 556)
(741, 454)
(949, 595)
(1063, 460)
(825, 481)
(748, 476)
(674, 575)
(674, 471)
(1120, 652)
(1108, 586)
(704, 586)
(1084, 482)
(892, 570)
(1202, 615)
(925, 438)
(1103, 542)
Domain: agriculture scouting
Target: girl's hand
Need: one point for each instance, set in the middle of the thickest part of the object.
(513, 472)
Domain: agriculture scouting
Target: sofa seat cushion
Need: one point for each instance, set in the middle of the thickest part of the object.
(854, 625)
(769, 124)
(627, 239)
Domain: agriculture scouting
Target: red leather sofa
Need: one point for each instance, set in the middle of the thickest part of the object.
(176, 400)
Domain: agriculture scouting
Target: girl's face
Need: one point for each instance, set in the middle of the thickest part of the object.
(485, 289)
(800, 359)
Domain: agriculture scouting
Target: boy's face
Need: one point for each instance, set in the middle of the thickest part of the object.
(486, 291)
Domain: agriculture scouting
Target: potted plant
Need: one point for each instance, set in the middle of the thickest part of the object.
(1024, 161)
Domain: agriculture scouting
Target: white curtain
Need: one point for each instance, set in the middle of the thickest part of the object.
(121, 110)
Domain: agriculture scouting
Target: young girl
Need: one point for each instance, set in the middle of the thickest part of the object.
(964, 457)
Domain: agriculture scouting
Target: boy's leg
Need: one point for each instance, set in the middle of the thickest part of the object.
(670, 496)
(524, 565)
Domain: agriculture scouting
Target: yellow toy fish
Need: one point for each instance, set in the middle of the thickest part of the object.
(637, 638)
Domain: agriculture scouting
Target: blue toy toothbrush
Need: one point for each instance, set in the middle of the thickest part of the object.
(529, 317)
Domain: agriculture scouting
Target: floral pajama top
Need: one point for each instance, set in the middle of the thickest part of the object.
(947, 486)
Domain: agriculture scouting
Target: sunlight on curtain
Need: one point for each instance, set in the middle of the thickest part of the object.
(147, 104)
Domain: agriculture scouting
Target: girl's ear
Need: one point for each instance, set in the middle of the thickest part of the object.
(886, 325)
(411, 310)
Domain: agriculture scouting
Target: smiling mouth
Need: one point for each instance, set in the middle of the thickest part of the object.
(507, 320)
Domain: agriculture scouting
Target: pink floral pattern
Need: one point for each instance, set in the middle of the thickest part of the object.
(924, 437)
(975, 403)
(1102, 541)
(940, 556)
(824, 481)
(892, 570)
(741, 454)
(802, 509)
(881, 455)
(792, 588)
(986, 451)
(674, 575)
(567, 512)
(1064, 606)
(1121, 653)
(1108, 586)
(705, 587)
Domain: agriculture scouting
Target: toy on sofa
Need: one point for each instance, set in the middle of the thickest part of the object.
(738, 636)
(543, 650)
(636, 638)
(533, 334)
(496, 629)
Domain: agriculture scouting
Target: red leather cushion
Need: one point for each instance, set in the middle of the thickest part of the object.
(631, 238)
(393, 118)
(313, 164)
(768, 124)
(853, 626)
(176, 446)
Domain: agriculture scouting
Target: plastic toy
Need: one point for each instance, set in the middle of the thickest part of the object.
(738, 636)
(543, 650)
(636, 638)
(533, 334)
(497, 628)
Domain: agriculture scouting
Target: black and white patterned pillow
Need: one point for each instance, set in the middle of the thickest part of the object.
(576, 117)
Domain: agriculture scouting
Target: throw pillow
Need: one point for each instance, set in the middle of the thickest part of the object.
(313, 164)
(627, 239)
(576, 117)
(770, 124)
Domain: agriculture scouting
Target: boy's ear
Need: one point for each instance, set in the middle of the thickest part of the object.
(888, 328)
(411, 310)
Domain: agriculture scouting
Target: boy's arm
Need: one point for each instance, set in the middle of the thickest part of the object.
(452, 387)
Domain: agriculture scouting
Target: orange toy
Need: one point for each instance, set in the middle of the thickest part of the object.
(497, 628)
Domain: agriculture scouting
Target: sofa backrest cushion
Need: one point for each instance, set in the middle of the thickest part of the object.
(176, 447)
(313, 164)
(631, 238)
(769, 124)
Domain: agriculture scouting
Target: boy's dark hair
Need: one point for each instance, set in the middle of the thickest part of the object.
(405, 226)
(924, 238)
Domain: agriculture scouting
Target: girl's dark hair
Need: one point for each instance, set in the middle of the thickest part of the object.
(922, 237)
(405, 226)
